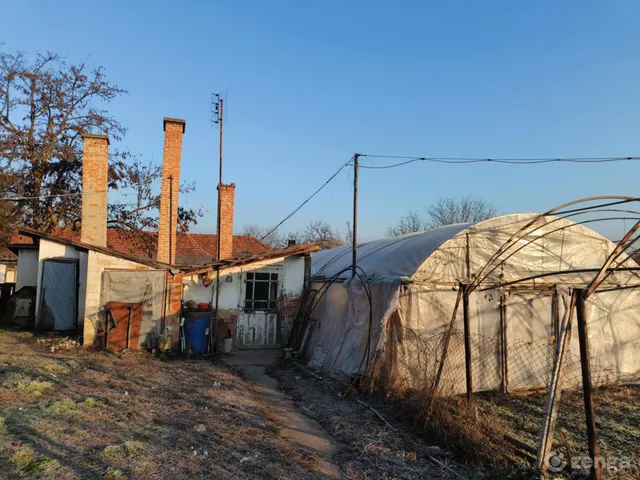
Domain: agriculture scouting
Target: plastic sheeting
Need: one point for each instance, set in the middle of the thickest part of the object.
(386, 258)
(414, 281)
(144, 287)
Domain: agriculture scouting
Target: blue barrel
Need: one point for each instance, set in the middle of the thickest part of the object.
(195, 332)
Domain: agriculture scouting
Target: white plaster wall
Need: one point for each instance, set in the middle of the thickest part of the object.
(294, 275)
(96, 263)
(27, 275)
(230, 293)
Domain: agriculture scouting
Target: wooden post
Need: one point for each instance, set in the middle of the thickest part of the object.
(354, 239)
(467, 340)
(555, 388)
(592, 436)
(443, 358)
(503, 343)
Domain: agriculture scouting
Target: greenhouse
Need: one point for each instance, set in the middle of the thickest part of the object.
(391, 318)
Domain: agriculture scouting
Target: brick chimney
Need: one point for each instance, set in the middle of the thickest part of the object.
(95, 173)
(226, 194)
(167, 228)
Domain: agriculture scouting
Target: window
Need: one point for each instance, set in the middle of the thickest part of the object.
(261, 291)
(10, 276)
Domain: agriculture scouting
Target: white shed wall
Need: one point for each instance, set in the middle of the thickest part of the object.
(27, 275)
(96, 264)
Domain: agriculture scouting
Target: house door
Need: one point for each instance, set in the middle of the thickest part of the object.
(258, 325)
(58, 300)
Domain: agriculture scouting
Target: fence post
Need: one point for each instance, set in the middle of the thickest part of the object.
(503, 343)
(592, 436)
(555, 389)
(467, 340)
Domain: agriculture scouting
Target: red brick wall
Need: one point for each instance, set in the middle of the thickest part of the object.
(95, 171)
(226, 195)
(289, 311)
(173, 130)
(174, 307)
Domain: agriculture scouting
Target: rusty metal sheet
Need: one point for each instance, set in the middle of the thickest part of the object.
(127, 318)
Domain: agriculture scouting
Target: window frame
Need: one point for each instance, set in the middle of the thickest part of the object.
(268, 299)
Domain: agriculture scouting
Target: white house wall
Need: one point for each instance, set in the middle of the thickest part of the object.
(230, 301)
(27, 275)
(96, 264)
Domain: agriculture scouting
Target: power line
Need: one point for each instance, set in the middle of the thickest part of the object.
(203, 205)
(512, 161)
(305, 202)
(76, 194)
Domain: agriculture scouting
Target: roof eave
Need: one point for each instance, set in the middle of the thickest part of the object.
(249, 259)
(87, 246)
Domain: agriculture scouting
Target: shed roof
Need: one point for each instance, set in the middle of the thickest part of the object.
(191, 248)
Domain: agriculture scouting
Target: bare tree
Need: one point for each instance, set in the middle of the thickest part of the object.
(317, 231)
(347, 238)
(273, 239)
(321, 231)
(409, 223)
(447, 211)
(45, 106)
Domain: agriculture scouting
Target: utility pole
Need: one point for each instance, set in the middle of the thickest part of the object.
(354, 246)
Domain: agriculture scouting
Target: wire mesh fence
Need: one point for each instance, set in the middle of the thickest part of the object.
(510, 393)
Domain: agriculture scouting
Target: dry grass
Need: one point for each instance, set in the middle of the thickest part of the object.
(617, 422)
(372, 449)
(67, 413)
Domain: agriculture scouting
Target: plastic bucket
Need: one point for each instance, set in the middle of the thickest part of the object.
(195, 332)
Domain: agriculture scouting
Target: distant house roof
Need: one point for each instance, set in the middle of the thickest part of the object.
(7, 256)
(191, 248)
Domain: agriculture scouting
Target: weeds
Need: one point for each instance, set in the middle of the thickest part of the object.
(114, 474)
(65, 408)
(130, 448)
(24, 459)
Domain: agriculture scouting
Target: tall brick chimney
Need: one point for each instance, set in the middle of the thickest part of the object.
(167, 228)
(226, 194)
(95, 173)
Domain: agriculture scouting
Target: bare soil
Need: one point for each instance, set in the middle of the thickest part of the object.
(387, 448)
(68, 413)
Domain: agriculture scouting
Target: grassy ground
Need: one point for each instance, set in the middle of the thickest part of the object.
(67, 413)
(617, 424)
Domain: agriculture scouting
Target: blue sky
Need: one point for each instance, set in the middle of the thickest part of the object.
(311, 83)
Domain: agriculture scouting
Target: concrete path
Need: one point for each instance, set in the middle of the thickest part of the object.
(295, 426)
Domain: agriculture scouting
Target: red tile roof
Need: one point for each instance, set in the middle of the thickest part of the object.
(191, 248)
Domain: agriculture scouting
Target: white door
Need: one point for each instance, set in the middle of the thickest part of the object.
(258, 319)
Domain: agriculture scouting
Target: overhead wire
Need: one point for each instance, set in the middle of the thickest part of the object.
(75, 194)
(306, 200)
(512, 161)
